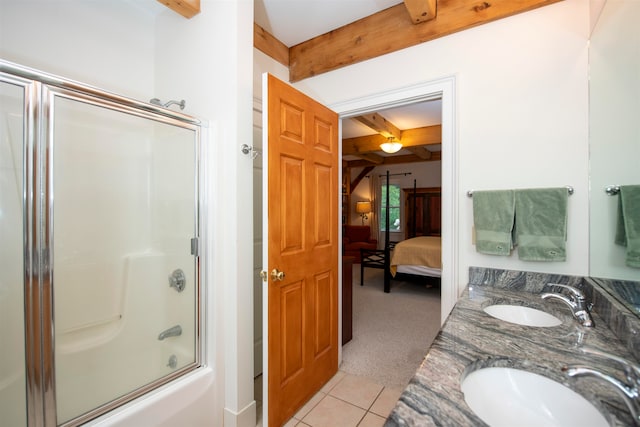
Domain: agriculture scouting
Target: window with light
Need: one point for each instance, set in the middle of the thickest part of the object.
(394, 207)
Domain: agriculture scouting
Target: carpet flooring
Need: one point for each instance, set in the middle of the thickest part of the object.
(391, 332)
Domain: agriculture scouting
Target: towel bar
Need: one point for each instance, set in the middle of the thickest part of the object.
(569, 190)
(612, 190)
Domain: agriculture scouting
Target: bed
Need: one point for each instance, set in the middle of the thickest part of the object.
(418, 256)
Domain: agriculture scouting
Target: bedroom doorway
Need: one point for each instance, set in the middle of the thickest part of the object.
(388, 333)
(443, 89)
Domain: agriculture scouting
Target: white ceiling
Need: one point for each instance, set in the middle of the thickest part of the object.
(295, 21)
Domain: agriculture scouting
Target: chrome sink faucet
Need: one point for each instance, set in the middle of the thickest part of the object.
(576, 301)
(629, 390)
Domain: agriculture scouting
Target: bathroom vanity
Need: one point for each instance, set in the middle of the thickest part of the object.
(471, 340)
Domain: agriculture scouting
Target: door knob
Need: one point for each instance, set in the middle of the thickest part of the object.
(277, 275)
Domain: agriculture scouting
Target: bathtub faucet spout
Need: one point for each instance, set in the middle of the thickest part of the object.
(171, 332)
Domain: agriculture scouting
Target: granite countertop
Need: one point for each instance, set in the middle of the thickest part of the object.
(470, 339)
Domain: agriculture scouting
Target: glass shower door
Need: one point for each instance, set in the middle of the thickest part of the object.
(12, 329)
(124, 187)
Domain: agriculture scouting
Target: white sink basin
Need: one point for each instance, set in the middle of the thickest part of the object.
(512, 397)
(522, 315)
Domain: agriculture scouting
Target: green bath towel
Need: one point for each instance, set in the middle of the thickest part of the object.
(628, 227)
(493, 213)
(541, 224)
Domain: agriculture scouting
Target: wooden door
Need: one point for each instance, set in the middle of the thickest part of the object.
(301, 172)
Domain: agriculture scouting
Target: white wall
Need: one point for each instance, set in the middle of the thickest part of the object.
(140, 49)
(262, 64)
(210, 64)
(108, 44)
(522, 113)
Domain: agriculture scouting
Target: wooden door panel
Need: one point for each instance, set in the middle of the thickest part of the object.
(292, 122)
(323, 319)
(302, 200)
(323, 132)
(292, 205)
(292, 327)
(323, 206)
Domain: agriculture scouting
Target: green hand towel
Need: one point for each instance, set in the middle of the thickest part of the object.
(541, 224)
(493, 213)
(628, 227)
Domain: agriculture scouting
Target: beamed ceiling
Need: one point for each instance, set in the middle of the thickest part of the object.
(397, 27)
(402, 25)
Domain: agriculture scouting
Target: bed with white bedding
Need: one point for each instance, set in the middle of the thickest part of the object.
(419, 256)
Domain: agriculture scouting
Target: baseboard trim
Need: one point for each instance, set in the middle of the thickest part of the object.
(244, 418)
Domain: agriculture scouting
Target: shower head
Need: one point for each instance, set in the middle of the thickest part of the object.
(157, 101)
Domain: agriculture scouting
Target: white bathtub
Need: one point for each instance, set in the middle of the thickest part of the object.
(102, 359)
(187, 402)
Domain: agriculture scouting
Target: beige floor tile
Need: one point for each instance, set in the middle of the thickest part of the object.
(333, 381)
(372, 420)
(292, 423)
(307, 407)
(332, 412)
(356, 390)
(385, 402)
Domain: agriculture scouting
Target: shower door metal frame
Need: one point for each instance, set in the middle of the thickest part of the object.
(37, 387)
(40, 91)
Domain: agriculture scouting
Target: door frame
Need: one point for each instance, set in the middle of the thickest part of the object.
(444, 88)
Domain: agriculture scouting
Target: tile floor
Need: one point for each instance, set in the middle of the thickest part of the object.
(345, 401)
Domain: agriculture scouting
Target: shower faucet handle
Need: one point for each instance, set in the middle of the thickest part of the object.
(178, 280)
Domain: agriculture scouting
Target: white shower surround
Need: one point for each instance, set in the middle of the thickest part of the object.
(118, 356)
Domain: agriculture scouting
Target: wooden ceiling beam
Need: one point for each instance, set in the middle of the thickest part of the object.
(421, 152)
(391, 30)
(362, 144)
(376, 159)
(186, 8)
(421, 10)
(395, 160)
(266, 43)
(381, 125)
(361, 176)
(428, 135)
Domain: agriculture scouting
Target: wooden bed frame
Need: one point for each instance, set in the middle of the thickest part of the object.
(381, 258)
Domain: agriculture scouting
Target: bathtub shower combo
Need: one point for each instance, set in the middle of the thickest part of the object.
(99, 274)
